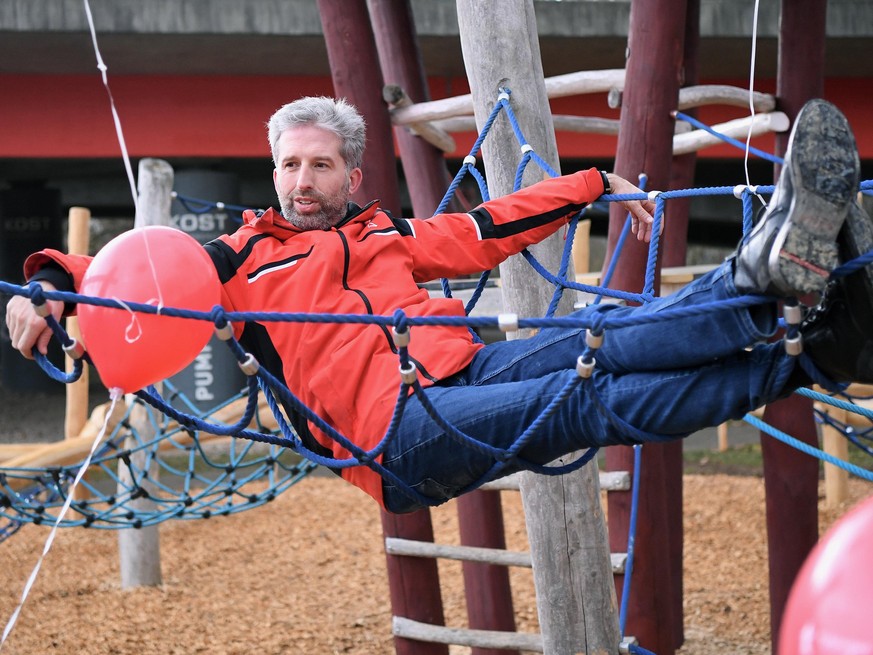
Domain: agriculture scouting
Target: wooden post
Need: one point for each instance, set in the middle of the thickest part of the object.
(76, 414)
(651, 92)
(572, 571)
(834, 443)
(354, 65)
(140, 549)
(723, 443)
(76, 411)
(791, 477)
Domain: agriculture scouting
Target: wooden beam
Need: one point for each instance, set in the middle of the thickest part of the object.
(140, 550)
(563, 512)
(578, 84)
(396, 98)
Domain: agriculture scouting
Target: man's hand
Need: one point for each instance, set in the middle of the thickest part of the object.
(26, 328)
(641, 211)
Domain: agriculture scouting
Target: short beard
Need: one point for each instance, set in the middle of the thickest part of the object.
(332, 211)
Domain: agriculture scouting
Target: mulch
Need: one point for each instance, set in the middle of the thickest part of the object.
(306, 574)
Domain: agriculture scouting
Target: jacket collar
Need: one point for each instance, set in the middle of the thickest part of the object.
(272, 221)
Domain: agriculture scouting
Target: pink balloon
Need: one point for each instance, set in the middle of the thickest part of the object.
(829, 607)
(159, 266)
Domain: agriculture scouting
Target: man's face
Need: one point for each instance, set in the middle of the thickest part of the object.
(311, 179)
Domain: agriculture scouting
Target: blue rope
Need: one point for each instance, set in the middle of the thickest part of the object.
(631, 539)
(737, 144)
(864, 474)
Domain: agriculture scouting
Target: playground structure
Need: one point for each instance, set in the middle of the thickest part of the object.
(522, 96)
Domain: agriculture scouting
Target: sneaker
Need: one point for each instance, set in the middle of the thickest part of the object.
(793, 248)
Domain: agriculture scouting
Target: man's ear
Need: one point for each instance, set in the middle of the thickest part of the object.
(276, 179)
(356, 176)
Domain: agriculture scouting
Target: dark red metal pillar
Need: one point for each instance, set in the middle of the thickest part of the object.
(791, 477)
(413, 582)
(423, 164)
(351, 48)
(645, 145)
(489, 594)
(354, 67)
(674, 250)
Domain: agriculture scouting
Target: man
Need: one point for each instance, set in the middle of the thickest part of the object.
(323, 254)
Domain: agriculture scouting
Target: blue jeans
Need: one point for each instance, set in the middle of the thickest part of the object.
(666, 379)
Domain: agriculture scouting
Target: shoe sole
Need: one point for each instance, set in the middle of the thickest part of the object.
(823, 165)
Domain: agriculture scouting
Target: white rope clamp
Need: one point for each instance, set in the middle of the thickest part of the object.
(793, 345)
(75, 349)
(593, 341)
(740, 189)
(503, 95)
(653, 195)
(250, 365)
(401, 339)
(793, 315)
(584, 369)
(470, 159)
(408, 373)
(42, 310)
(224, 333)
(526, 148)
(507, 322)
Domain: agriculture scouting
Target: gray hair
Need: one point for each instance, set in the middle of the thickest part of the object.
(334, 115)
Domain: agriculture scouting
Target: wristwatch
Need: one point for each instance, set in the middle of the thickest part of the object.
(607, 187)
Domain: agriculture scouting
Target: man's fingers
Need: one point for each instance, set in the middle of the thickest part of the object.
(42, 342)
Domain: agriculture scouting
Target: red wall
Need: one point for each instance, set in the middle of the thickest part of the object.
(48, 116)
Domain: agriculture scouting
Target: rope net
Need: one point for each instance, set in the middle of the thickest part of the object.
(196, 465)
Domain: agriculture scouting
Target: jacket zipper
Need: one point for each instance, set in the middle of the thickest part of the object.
(347, 255)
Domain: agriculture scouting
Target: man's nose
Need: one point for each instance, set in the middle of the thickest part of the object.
(304, 178)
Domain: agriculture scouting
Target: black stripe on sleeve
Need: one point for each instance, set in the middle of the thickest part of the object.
(489, 230)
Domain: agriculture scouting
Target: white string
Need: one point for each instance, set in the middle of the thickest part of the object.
(115, 394)
(752, 98)
(134, 319)
(154, 271)
(102, 67)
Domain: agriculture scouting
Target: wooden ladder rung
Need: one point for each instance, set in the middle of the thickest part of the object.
(413, 548)
(440, 634)
(609, 481)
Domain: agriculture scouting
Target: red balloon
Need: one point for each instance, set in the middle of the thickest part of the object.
(159, 266)
(828, 609)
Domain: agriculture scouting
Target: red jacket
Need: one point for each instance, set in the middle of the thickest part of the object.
(371, 263)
